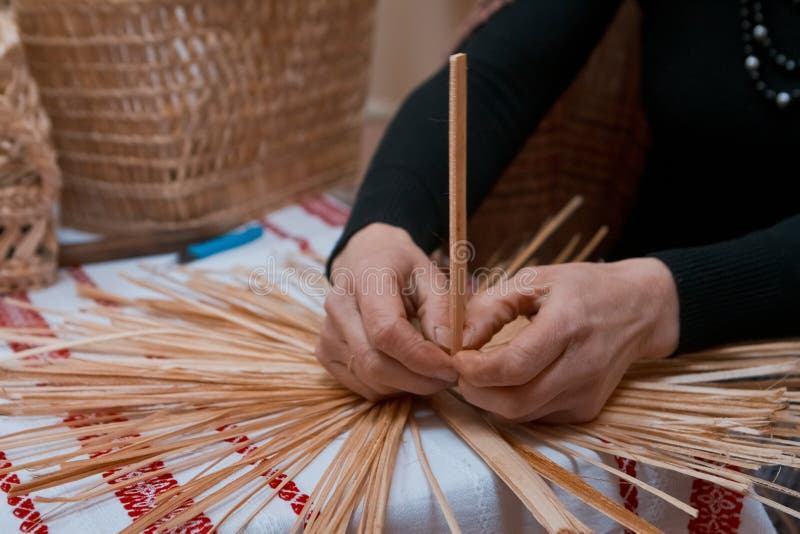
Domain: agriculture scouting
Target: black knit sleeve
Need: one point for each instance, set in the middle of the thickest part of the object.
(519, 62)
(743, 289)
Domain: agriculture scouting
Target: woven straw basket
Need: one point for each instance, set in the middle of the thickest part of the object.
(29, 178)
(592, 143)
(197, 114)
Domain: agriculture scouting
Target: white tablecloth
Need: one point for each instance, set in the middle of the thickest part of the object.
(480, 501)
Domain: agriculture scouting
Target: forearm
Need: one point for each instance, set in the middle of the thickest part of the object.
(519, 63)
(738, 290)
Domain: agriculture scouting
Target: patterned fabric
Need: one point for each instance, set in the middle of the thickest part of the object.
(480, 501)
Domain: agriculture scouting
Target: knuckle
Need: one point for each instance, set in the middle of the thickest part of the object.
(321, 354)
(584, 414)
(370, 367)
(373, 396)
(427, 388)
(512, 366)
(509, 407)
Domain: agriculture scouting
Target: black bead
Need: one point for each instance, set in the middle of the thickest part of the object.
(758, 17)
(795, 93)
(769, 94)
(746, 37)
(748, 49)
(760, 86)
(767, 41)
(754, 74)
(744, 12)
(772, 52)
(746, 24)
(780, 59)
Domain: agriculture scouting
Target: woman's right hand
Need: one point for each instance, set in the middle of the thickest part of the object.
(381, 280)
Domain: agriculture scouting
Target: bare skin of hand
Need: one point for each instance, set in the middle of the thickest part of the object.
(589, 323)
(381, 283)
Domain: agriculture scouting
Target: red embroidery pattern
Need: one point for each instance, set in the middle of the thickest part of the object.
(326, 210)
(11, 315)
(133, 501)
(628, 492)
(289, 493)
(280, 232)
(719, 509)
(139, 498)
(21, 505)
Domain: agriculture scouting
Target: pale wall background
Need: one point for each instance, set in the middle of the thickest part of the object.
(412, 38)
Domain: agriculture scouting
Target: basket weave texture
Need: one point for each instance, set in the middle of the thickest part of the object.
(593, 143)
(29, 177)
(197, 114)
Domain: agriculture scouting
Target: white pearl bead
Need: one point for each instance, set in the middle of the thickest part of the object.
(782, 99)
(760, 32)
(752, 62)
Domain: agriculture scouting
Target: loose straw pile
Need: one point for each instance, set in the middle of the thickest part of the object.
(212, 376)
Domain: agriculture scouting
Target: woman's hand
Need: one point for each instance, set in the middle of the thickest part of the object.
(381, 281)
(590, 322)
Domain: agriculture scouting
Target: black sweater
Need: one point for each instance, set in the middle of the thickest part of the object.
(717, 201)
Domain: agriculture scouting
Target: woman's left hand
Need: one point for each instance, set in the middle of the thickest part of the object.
(590, 321)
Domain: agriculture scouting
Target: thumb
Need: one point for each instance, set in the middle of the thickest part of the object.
(489, 311)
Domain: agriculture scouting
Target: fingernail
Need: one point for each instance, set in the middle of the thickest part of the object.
(442, 336)
(469, 333)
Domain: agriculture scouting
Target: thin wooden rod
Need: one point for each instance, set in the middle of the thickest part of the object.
(587, 251)
(449, 516)
(547, 230)
(459, 248)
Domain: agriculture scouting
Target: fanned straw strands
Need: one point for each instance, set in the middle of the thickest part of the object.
(222, 385)
(213, 339)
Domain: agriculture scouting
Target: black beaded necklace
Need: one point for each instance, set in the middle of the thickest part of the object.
(757, 43)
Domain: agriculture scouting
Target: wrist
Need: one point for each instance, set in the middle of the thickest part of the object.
(660, 304)
(372, 237)
(666, 330)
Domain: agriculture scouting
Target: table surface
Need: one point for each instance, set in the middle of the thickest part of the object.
(481, 502)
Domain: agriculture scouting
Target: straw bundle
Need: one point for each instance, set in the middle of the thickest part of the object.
(29, 178)
(198, 114)
(209, 376)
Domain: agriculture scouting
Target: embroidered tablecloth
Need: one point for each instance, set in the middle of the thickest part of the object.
(480, 500)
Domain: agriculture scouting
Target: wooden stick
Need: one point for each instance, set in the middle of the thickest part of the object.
(566, 252)
(459, 250)
(587, 251)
